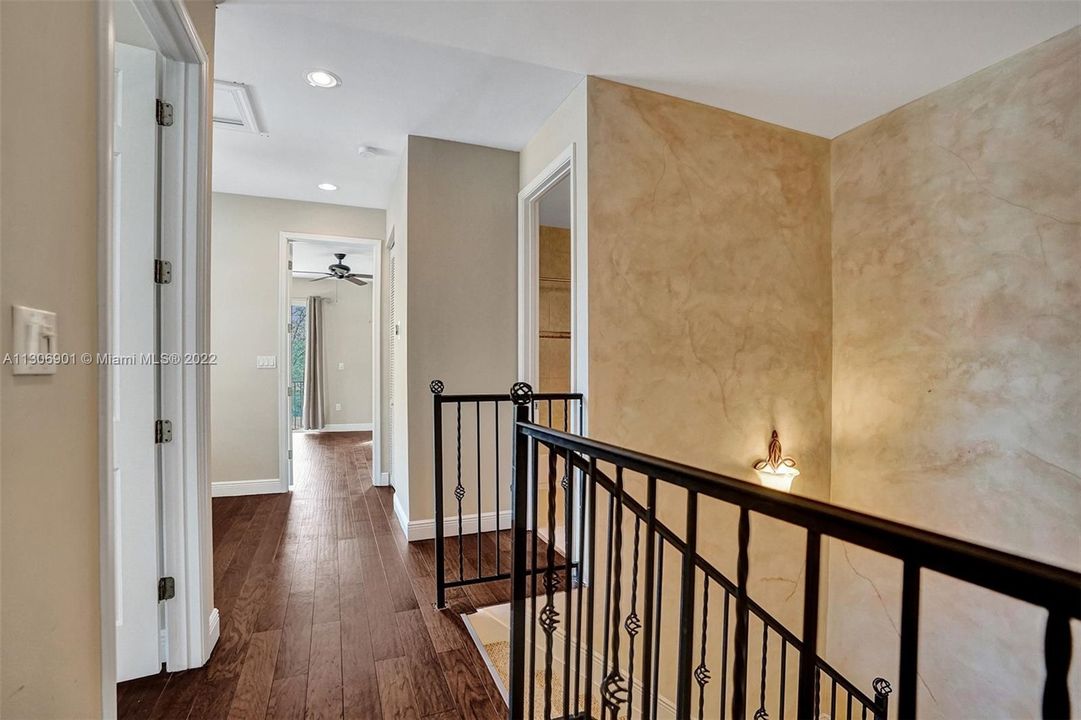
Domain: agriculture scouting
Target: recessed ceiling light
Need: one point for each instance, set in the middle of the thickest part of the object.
(366, 151)
(327, 186)
(323, 79)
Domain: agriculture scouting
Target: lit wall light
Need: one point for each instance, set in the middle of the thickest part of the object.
(776, 472)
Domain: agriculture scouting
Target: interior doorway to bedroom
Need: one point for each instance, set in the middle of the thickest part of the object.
(330, 369)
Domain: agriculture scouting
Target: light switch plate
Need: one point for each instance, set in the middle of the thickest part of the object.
(266, 362)
(341, 366)
(337, 406)
(33, 334)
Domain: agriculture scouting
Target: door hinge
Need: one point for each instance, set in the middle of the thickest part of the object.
(163, 431)
(289, 390)
(290, 264)
(163, 272)
(164, 113)
(166, 588)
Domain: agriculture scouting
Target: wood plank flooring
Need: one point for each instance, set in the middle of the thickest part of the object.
(326, 610)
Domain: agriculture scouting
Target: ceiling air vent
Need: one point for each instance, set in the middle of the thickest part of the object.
(233, 108)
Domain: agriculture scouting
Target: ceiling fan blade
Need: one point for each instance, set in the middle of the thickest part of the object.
(359, 275)
(325, 277)
(355, 280)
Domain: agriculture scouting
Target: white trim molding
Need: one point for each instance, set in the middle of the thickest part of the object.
(347, 427)
(229, 488)
(425, 529)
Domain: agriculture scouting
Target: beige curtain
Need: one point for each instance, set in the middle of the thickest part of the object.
(314, 375)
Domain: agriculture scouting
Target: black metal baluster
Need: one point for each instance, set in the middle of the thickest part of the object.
(760, 713)
(701, 673)
(833, 699)
(724, 656)
(568, 553)
(848, 714)
(686, 611)
(657, 625)
(1057, 650)
(608, 604)
(614, 688)
(480, 514)
(633, 624)
(591, 534)
(818, 692)
(459, 491)
(882, 698)
(520, 504)
(910, 640)
(534, 491)
(809, 654)
(739, 669)
(498, 508)
(436, 387)
(549, 616)
(647, 636)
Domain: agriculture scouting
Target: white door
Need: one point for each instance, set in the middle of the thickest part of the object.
(134, 323)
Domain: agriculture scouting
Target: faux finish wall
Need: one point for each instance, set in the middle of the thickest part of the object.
(244, 320)
(957, 366)
(709, 307)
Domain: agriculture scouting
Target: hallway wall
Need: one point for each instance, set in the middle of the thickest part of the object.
(957, 366)
(50, 590)
(462, 260)
(244, 320)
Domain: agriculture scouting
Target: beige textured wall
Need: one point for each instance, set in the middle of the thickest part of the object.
(244, 315)
(957, 365)
(347, 328)
(554, 311)
(462, 278)
(709, 309)
(50, 628)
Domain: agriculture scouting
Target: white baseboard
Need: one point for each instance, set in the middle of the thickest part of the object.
(425, 529)
(382, 481)
(403, 518)
(346, 427)
(245, 487)
(213, 632)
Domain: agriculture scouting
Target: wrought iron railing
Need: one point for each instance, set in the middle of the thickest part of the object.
(625, 641)
(487, 452)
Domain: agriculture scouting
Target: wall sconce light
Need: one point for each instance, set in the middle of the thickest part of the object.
(776, 472)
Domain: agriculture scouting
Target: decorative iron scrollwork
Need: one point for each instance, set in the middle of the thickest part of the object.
(459, 493)
(521, 393)
(702, 675)
(633, 624)
(614, 690)
(761, 714)
(549, 618)
(564, 483)
(881, 686)
(436, 387)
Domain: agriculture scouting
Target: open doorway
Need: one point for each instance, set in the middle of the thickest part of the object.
(330, 368)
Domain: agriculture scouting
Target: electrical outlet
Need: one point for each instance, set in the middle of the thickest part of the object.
(337, 406)
(341, 366)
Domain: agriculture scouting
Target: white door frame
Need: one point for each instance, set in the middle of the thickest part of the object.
(563, 166)
(284, 279)
(191, 621)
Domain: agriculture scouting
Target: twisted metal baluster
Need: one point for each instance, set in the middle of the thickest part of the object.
(701, 673)
(549, 617)
(760, 713)
(614, 689)
(633, 623)
(459, 492)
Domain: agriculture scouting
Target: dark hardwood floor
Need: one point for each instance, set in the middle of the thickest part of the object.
(326, 610)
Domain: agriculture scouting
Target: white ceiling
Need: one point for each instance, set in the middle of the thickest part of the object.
(491, 72)
(316, 257)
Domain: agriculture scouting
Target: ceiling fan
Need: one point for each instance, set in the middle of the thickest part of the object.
(339, 271)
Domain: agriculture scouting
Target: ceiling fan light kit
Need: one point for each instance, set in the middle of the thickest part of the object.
(340, 271)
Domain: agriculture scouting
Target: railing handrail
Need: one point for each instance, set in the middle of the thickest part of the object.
(1022, 578)
(503, 397)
